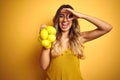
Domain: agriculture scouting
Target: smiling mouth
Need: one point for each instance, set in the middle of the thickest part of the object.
(64, 25)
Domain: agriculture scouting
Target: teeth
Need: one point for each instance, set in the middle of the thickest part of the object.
(65, 24)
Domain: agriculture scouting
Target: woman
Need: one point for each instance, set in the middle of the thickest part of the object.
(61, 62)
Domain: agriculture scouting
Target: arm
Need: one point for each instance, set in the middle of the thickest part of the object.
(45, 58)
(102, 26)
(45, 54)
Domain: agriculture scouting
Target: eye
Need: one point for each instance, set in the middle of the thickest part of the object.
(61, 15)
(71, 15)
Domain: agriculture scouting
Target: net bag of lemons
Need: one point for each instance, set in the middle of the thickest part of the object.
(47, 36)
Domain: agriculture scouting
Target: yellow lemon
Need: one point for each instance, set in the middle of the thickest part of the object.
(51, 38)
(48, 46)
(51, 30)
(45, 43)
(44, 34)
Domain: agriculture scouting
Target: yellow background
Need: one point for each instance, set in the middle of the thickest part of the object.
(20, 49)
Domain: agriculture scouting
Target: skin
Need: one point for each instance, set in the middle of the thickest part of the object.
(65, 23)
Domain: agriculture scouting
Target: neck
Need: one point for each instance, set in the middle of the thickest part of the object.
(65, 35)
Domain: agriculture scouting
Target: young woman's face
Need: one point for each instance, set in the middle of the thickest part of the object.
(65, 22)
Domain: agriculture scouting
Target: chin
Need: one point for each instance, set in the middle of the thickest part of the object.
(65, 30)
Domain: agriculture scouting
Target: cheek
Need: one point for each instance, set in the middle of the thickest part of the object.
(60, 20)
(70, 23)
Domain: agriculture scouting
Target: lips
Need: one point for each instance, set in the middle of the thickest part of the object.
(64, 25)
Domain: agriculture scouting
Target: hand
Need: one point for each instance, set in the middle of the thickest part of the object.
(73, 14)
(42, 26)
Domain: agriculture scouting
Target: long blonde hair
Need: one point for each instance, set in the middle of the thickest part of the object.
(74, 44)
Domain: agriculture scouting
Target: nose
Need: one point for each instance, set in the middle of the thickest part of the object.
(65, 19)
